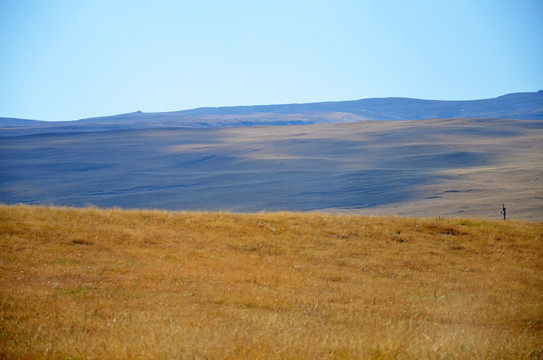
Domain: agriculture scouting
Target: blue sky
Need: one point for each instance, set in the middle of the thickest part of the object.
(68, 59)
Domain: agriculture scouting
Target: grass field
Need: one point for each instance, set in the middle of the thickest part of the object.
(423, 168)
(113, 284)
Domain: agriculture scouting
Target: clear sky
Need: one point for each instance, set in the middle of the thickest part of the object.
(70, 59)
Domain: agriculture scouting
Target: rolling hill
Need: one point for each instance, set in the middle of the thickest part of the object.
(524, 106)
(447, 167)
(445, 158)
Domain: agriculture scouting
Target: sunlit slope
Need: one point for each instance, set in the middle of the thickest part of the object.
(459, 167)
(115, 284)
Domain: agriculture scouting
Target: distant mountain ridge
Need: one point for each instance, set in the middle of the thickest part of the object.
(522, 106)
(397, 108)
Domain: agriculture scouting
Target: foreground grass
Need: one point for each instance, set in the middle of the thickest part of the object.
(90, 283)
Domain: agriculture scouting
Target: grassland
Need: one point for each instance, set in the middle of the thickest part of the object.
(91, 283)
(422, 168)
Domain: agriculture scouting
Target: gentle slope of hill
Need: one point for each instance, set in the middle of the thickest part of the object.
(462, 167)
(115, 284)
(525, 106)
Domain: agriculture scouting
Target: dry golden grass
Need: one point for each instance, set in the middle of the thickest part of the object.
(90, 283)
